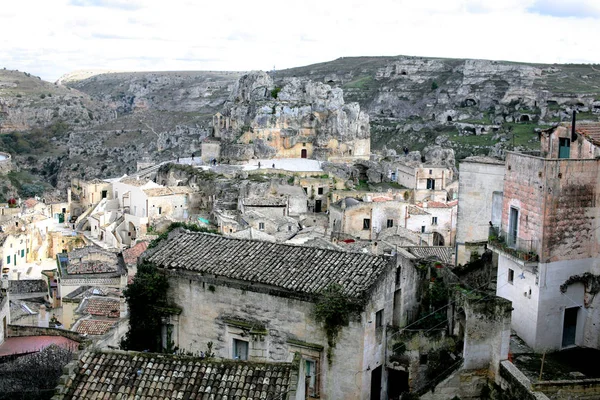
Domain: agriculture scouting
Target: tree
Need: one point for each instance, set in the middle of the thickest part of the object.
(434, 85)
(146, 297)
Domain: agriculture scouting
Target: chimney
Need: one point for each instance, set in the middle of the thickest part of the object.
(573, 134)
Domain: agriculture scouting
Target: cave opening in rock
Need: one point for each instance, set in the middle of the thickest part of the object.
(449, 118)
(524, 118)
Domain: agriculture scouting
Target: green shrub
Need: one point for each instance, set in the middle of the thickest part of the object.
(275, 92)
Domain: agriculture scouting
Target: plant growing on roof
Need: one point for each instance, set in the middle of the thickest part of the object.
(334, 309)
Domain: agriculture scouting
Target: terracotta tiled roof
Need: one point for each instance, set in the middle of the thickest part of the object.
(294, 268)
(438, 204)
(590, 130)
(104, 307)
(132, 254)
(94, 326)
(412, 210)
(116, 375)
(31, 202)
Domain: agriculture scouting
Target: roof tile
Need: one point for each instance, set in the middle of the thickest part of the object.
(297, 268)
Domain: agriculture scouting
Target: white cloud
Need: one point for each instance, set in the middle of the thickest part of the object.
(50, 38)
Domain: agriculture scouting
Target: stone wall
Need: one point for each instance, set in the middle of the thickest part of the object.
(5, 163)
(477, 183)
(282, 326)
(277, 324)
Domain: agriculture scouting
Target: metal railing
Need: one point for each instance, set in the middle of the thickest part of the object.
(526, 250)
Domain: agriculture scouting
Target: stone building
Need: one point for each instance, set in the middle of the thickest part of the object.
(428, 181)
(256, 300)
(548, 242)
(365, 219)
(88, 193)
(481, 181)
(13, 250)
(88, 266)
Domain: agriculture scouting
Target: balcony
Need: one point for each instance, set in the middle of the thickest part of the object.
(525, 251)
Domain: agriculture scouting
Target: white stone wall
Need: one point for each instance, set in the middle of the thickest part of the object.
(205, 306)
(538, 318)
(15, 247)
(477, 184)
(4, 316)
(174, 206)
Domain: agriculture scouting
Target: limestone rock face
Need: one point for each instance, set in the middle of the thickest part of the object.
(282, 121)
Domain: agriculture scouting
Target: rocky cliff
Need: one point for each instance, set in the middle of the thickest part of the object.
(474, 106)
(100, 124)
(301, 118)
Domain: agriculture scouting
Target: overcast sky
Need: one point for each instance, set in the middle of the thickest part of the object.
(49, 38)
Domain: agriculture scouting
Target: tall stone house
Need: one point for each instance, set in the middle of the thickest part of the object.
(548, 241)
(256, 301)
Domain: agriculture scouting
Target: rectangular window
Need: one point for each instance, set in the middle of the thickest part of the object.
(240, 350)
(430, 171)
(8, 259)
(305, 190)
(311, 377)
(393, 177)
(390, 223)
(379, 319)
(261, 226)
(511, 275)
(159, 210)
(430, 183)
(320, 190)
(398, 275)
(433, 220)
(366, 224)
(423, 229)
(22, 253)
(104, 194)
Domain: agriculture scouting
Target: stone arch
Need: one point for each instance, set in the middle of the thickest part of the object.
(449, 118)
(438, 239)
(403, 72)
(524, 118)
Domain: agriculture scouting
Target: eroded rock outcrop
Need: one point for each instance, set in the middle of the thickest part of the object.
(302, 118)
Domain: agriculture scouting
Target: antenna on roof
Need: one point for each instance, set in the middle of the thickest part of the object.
(573, 133)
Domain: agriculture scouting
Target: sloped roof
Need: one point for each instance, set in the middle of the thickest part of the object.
(295, 268)
(131, 255)
(252, 233)
(104, 307)
(444, 254)
(94, 326)
(589, 130)
(103, 375)
(412, 210)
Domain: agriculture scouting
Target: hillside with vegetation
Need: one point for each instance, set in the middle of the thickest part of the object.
(100, 124)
